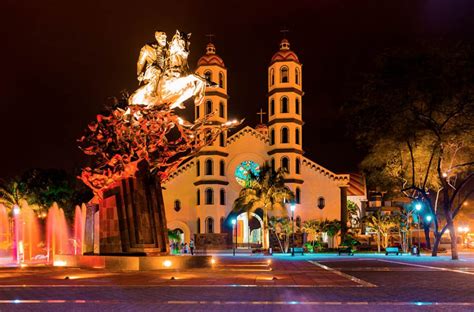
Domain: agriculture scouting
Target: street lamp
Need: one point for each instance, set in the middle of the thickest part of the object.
(235, 231)
(418, 207)
(292, 207)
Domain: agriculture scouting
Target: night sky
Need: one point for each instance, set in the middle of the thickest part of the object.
(61, 60)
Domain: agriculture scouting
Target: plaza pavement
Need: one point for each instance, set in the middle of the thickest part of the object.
(252, 283)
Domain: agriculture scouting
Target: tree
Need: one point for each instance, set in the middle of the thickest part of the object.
(331, 228)
(382, 225)
(266, 191)
(11, 194)
(313, 228)
(282, 228)
(415, 114)
(354, 215)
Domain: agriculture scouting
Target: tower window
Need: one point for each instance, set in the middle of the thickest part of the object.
(198, 225)
(221, 139)
(209, 200)
(221, 110)
(209, 225)
(285, 164)
(284, 135)
(284, 105)
(297, 136)
(222, 168)
(208, 107)
(198, 168)
(198, 112)
(177, 205)
(297, 76)
(297, 166)
(273, 164)
(272, 77)
(272, 107)
(272, 137)
(221, 80)
(297, 106)
(208, 75)
(321, 202)
(284, 74)
(222, 225)
(222, 197)
(198, 197)
(298, 195)
(209, 164)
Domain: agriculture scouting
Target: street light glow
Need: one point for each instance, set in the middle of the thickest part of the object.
(233, 221)
(293, 207)
(429, 218)
(418, 206)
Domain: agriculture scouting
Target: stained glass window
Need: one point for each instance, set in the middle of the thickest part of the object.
(244, 172)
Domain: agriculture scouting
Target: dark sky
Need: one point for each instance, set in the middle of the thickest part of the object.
(62, 59)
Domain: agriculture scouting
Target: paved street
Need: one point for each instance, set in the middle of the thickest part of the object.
(278, 283)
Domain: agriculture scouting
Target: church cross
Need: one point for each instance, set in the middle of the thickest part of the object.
(261, 113)
(210, 36)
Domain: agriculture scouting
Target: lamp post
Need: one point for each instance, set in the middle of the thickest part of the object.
(418, 209)
(292, 207)
(234, 245)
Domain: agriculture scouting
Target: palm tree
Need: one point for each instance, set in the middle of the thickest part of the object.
(331, 228)
(281, 225)
(267, 191)
(313, 228)
(10, 194)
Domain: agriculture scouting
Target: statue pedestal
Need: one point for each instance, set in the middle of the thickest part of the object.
(132, 216)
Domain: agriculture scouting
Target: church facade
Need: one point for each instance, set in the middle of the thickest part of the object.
(200, 194)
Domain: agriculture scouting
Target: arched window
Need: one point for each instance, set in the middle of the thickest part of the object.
(222, 225)
(209, 196)
(321, 202)
(297, 166)
(221, 110)
(272, 77)
(284, 105)
(273, 164)
(198, 197)
(222, 197)
(221, 80)
(297, 106)
(198, 112)
(298, 195)
(208, 107)
(222, 168)
(209, 166)
(298, 221)
(297, 136)
(272, 107)
(221, 139)
(284, 74)
(177, 205)
(284, 135)
(209, 225)
(297, 76)
(208, 75)
(198, 226)
(198, 168)
(285, 164)
(272, 137)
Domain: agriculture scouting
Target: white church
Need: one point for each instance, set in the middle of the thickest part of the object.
(200, 194)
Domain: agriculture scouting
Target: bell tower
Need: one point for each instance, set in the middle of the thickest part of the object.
(285, 115)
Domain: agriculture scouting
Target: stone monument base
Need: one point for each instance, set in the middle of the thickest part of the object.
(133, 263)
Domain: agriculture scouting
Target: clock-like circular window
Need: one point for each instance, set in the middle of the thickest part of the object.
(245, 171)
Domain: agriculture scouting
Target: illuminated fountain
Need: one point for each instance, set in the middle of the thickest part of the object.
(57, 233)
(5, 233)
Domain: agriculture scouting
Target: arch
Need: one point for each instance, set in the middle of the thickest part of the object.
(221, 80)
(208, 170)
(209, 196)
(222, 197)
(321, 202)
(272, 107)
(208, 107)
(284, 74)
(284, 105)
(297, 136)
(297, 165)
(209, 225)
(198, 197)
(297, 76)
(198, 168)
(198, 225)
(177, 205)
(272, 77)
(198, 112)
(284, 135)
(272, 137)
(208, 75)
(285, 164)
(298, 195)
(297, 106)
(221, 110)
(222, 224)
(178, 224)
(221, 168)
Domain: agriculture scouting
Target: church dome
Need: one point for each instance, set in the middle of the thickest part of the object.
(210, 58)
(285, 54)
